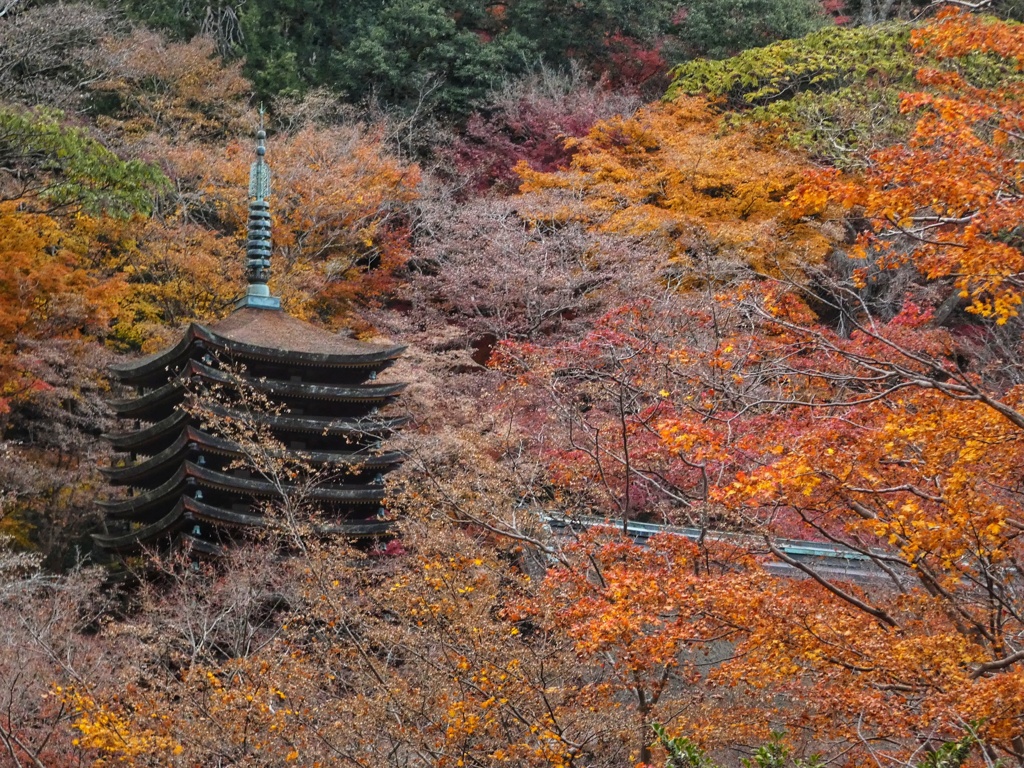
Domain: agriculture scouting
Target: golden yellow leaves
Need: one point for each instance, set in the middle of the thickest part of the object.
(114, 731)
(674, 172)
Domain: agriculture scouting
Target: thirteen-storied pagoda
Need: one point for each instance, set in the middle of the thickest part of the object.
(191, 479)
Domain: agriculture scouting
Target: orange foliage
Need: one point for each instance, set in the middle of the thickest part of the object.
(339, 205)
(338, 197)
(179, 90)
(931, 486)
(677, 173)
(947, 200)
(46, 289)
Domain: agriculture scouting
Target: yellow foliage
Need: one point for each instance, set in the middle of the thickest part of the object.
(676, 173)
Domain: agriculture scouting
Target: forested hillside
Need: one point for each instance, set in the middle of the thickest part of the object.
(750, 270)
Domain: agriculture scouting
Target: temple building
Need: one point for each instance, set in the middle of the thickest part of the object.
(257, 410)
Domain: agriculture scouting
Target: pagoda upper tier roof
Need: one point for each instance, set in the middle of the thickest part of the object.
(188, 511)
(171, 393)
(160, 435)
(164, 464)
(145, 507)
(268, 335)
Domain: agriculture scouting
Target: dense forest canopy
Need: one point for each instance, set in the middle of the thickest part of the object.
(745, 269)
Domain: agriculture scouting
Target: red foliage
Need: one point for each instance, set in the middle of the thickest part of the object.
(632, 66)
(838, 10)
(530, 122)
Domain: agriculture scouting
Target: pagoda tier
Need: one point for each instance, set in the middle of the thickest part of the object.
(205, 529)
(270, 344)
(162, 401)
(258, 382)
(311, 431)
(145, 507)
(193, 442)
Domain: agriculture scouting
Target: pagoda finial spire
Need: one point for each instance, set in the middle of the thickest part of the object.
(257, 251)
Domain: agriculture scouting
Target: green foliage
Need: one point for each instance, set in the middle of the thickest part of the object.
(682, 753)
(559, 30)
(834, 93)
(64, 166)
(951, 754)
(776, 754)
(823, 61)
(411, 46)
(722, 28)
(454, 51)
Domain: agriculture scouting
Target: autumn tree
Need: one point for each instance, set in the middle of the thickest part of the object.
(910, 431)
(438, 56)
(46, 52)
(833, 93)
(531, 120)
(920, 203)
(412, 640)
(883, 433)
(61, 191)
(673, 174)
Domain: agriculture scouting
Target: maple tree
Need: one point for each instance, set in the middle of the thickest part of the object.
(908, 452)
(880, 432)
(339, 204)
(61, 194)
(945, 199)
(529, 121)
(673, 174)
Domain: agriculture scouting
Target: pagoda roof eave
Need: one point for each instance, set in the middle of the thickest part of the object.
(149, 436)
(140, 507)
(372, 356)
(172, 392)
(214, 514)
(359, 528)
(200, 511)
(198, 545)
(138, 407)
(145, 507)
(357, 392)
(188, 511)
(320, 425)
(165, 525)
(129, 371)
(232, 449)
(351, 494)
(138, 473)
(165, 432)
(167, 460)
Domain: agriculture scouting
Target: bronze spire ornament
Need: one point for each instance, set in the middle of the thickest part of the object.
(258, 247)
